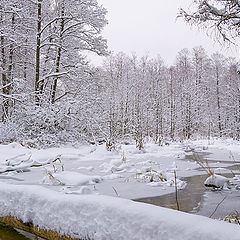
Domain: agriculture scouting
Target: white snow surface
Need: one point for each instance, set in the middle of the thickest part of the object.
(95, 166)
(104, 217)
(68, 195)
(71, 179)
(142, 174)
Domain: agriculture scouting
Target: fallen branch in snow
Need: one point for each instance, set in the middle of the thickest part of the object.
(47, 163)
(19, 167)
(9, 170)
(10, 161)
(217, 206)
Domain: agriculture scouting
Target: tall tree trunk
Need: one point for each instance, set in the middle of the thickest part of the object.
(37, 70)
(172, 108)
(46, 61)
(10, 69)
(218, 103)
(25, 59)
(4, 76)
(4, 80)
(59, 55)
(10, 65)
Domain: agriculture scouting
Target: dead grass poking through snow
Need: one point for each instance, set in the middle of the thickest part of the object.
(203, 164)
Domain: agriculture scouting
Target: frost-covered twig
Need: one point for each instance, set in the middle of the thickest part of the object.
(10, 96)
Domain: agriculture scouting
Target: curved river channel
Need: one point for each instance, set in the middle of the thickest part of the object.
(197, 199)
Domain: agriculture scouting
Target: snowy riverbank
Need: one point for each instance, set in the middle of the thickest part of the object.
(48, 186)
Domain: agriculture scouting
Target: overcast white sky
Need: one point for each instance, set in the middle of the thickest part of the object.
(150, 27)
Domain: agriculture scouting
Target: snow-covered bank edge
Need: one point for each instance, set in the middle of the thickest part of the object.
(19, 229)
(102, 217)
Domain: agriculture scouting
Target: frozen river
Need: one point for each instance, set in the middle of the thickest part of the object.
(196, 198)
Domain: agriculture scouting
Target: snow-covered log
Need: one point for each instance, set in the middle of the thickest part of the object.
(101, 217)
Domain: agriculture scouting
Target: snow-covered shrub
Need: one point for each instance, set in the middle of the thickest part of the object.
(45, 125)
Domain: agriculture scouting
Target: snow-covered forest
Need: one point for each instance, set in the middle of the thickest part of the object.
(85, 149)
(52, 95)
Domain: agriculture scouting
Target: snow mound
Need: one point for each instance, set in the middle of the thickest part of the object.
(216, 181)
(70, 178)
(101, 217)
(81, 190)
(115, 165)
(112, 176)
(236, 177)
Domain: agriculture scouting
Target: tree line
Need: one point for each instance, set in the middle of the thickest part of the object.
(198, 96)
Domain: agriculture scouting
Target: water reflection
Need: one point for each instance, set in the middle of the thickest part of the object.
(8, 233)
(189, 198)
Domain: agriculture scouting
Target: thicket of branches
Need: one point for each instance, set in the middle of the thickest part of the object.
(50, 94)
(197, 96)
(219, 16)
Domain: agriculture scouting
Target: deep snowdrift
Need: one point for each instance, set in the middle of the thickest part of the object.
(102, 217)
